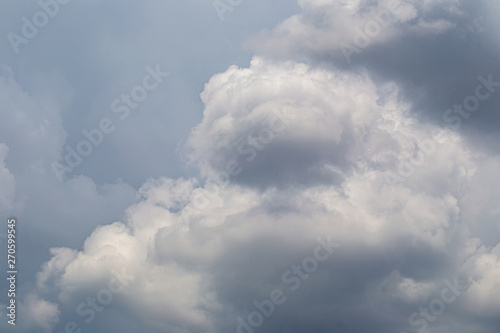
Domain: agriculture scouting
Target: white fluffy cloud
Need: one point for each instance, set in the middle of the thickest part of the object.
(344, 27)
(197, 256)
(303, 143)
(433, 50)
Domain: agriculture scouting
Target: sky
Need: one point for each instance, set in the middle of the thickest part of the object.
(287, 166)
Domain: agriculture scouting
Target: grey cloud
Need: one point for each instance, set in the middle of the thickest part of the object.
(434, 69)
(195, 254)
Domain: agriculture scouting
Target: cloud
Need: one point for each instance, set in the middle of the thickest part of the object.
(197, 255)
(434, 50)
(283, 123)
(32, 134)
(7, 181)
(300, 144)
(41, 313)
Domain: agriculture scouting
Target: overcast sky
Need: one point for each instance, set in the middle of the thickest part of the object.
(190, 166)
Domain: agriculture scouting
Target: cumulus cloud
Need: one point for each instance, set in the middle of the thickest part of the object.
(48, 212)
(300, 153)
(434, 50)
(343, 27)
(197, 255)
